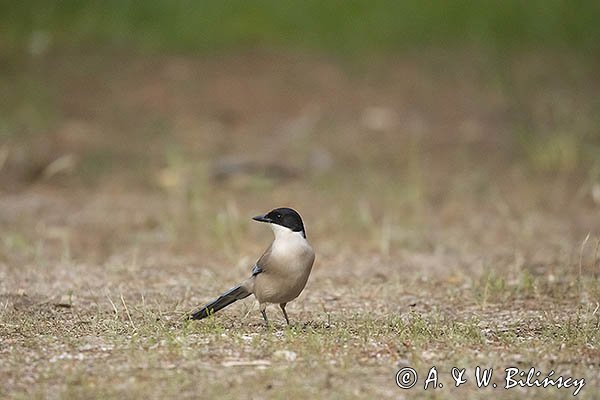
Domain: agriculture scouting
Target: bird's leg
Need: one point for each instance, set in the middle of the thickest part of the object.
(263, 311)
(282, 305)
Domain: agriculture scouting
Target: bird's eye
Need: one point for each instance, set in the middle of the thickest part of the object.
(278, 215)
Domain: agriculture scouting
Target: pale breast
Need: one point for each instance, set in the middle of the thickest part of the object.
(285, 272)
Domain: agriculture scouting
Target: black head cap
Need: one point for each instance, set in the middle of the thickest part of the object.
(285, 217)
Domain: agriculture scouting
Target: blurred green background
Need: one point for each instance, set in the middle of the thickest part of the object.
(531, 66)
(341, 26)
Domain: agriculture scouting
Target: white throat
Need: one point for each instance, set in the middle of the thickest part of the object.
(287, 243)
(286, 234)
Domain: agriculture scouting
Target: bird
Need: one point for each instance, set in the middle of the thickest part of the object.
(280, 274)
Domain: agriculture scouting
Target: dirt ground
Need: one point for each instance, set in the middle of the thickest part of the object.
(453, 204)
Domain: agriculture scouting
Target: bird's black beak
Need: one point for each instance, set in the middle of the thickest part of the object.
(262, 218)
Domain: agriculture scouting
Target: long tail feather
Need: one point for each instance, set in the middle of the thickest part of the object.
(231, 296)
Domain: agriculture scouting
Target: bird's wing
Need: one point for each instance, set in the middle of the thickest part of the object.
(262, 262)
(256, 270)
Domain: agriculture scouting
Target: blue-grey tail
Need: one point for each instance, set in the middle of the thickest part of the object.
(231, 296)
